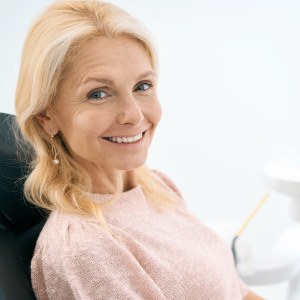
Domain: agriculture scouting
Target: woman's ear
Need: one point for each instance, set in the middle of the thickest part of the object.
(46, 120)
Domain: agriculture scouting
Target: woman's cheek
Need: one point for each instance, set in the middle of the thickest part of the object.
(157, 111)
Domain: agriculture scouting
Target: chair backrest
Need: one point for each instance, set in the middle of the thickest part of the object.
(20, 222)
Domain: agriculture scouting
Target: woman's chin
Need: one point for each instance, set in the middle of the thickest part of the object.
(130, 164)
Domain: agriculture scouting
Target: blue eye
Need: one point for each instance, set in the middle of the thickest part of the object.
(97, 94)
(144, 86)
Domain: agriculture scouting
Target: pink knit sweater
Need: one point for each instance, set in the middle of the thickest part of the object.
(161, 255)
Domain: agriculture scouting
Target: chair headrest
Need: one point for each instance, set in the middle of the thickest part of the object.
(15, 211)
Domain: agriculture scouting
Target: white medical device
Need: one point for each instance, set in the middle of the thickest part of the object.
(283, 261)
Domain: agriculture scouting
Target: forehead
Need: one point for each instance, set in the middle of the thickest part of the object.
(110, 54)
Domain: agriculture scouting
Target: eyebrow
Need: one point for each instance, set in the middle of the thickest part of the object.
(111, 82)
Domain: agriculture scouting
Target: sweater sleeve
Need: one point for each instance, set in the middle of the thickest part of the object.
(89, 265)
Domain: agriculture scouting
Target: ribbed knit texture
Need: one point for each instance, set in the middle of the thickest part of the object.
(160, 255)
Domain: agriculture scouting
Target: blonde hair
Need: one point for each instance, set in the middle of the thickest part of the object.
(49, 48)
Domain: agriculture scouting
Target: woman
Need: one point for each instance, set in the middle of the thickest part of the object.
(86, 101)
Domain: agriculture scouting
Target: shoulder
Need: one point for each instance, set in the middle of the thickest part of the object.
(66, 234)
(76, 254)
(71, 245)
(165, 180)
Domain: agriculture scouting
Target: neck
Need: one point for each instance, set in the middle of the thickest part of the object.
(109, 183)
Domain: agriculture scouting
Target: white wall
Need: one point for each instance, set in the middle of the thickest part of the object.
(229, 86)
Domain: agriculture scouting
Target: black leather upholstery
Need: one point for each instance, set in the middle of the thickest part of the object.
(20, 222)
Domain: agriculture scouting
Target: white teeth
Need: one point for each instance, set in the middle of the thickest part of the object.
(126, 139)
(137, 137)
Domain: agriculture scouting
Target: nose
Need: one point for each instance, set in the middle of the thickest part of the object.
(130, 111)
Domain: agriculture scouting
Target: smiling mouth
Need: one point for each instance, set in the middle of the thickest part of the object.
(127, 140)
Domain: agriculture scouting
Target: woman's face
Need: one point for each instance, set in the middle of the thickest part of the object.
(107, 109)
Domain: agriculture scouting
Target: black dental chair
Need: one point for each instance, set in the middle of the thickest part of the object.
(20, 222)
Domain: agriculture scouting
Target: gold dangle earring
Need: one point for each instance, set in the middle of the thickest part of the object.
(53, 149)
